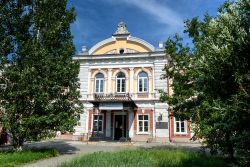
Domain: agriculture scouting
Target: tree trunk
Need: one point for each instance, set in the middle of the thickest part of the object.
(229, 146)
(18, 143)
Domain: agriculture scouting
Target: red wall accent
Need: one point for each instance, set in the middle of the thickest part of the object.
(90, 119)
(146, 111)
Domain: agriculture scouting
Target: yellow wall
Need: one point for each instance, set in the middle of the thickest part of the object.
(121, 43)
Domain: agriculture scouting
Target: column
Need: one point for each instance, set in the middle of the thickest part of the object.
(150, 87)
(92, 83)
(131, 80)
(109, 80)
(131, 123)
(153, 86)
(114, 86)
(108, 123)
(89, 82)
(154, 121)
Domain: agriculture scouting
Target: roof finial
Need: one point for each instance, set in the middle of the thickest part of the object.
(121, 29)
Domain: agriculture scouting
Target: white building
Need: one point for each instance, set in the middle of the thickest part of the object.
(120, 78)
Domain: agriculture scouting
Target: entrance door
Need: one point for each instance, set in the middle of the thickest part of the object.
(120, 126)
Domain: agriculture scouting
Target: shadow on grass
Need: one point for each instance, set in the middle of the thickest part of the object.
(63, 147)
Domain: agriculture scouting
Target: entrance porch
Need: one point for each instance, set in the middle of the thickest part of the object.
(111, 125)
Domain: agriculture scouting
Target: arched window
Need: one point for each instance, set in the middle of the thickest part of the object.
(99, 83)
(120, 82)
(143, 82)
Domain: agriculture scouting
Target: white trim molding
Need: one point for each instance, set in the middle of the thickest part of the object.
(100, 44)
(141, 41)
(113, 39)
(185, 127)
(137, 130)
(102, 122)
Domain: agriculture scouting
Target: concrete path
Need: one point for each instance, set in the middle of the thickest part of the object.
(72, 149)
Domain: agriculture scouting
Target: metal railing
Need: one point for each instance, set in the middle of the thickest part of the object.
(120, 96)
(113, 97)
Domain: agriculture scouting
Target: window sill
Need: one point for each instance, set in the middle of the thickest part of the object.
(180, 133)
(143, 133)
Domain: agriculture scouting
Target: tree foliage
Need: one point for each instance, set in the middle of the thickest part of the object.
(39, 86)
(211, 81)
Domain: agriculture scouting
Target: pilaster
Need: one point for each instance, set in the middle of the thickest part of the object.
(109, 80)
(131, 80)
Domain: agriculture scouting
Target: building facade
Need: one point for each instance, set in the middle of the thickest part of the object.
(120, 79)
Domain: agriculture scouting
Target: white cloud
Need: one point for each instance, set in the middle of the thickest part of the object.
(160, 12)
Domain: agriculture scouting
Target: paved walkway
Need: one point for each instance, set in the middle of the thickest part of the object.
(72, 149)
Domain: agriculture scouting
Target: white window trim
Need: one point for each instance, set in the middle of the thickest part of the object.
(120, 87)
(138, 132)
(99, 79)
(185, 126)
(142, 84)
(93, 122)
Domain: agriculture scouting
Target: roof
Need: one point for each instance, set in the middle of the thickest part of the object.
(119, 43)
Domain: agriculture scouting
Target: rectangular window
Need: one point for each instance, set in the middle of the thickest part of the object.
(180, 126)
(99, 84)
(120, 85)
(98, 123)
(143, 84)
(143, 124)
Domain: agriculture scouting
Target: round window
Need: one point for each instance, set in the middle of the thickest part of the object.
(121, 51)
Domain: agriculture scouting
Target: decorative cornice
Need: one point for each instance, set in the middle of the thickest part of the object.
(113, 38)
(141, 41)
(125, 55)
(99, 44)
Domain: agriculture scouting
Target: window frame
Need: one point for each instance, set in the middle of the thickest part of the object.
(179, 122)
(99, 81)
(143, 80)
(120, 80)
(138, 128)
(93, 120)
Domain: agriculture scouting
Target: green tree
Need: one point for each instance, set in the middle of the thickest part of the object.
(211, 81)
(39, 81)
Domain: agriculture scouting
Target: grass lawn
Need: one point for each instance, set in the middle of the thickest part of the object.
(15, 159)
(157, 157)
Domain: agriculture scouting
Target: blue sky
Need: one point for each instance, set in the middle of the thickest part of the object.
(151, 20)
